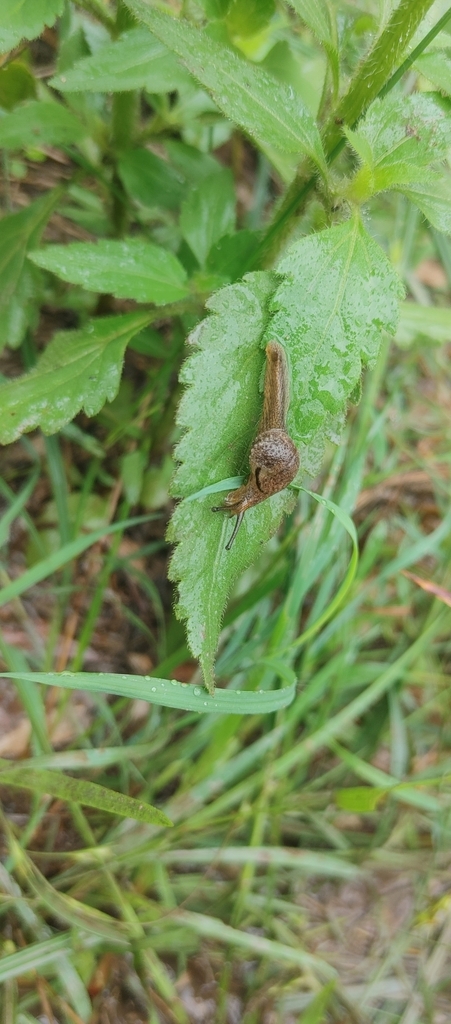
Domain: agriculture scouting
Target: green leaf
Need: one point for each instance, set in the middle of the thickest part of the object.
(136, 60)
(150, 180)
(433, 197)
(208, 214)
(397, 142)
(318, 17)
(21, 312)
(16, 84)
(269, 111)
(90, 794)
(40, 123)
(219, 412)
(193, 165)
(339, 291)
(247, 17)
(415, 128)
(360, 799)
(129, 269)
(231, 255)
(167, 693)
(436, 66)
(25, 19)
(78, 370)
(19, 232)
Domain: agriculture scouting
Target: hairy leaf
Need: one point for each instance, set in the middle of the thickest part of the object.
(268, 110)
(397, 142)
(19, 232)
(339, 291)
(433, 197)
(336, 294)
(219, 411)
(25, 19)
(136, 60)
(414, 128)
(208, 213)
(78, 370)
(39, 123)
(129, 268)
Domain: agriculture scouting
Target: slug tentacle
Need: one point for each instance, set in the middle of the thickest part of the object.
(273, 458)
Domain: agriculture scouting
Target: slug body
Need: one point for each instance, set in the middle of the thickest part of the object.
(273, 458)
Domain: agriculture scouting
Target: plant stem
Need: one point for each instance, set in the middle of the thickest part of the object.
(370, 81)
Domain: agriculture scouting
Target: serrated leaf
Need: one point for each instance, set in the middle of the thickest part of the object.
(219, 411)
(433, 197)
(150, 180)
(269, 111)
(412, 128)
(25, 19)
(338, 293)
(136, 60)
(436, 66)
(78, 370)
(129, 269)
(40, 123)
(397, 142)
(19, 232)
(208, 214)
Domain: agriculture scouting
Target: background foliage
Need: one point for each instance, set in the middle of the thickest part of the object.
(180, 186)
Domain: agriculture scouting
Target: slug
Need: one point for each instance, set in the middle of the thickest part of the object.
(273, 458)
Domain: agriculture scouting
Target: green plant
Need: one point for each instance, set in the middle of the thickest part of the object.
(172, 245)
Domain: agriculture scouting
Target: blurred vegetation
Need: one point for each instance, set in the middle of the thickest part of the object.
(305, 878)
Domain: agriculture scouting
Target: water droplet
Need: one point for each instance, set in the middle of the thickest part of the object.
(147, 678)
(197, 691)
(154, 689)
(173, 682)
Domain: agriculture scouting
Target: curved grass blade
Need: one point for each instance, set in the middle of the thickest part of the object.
(167, 692)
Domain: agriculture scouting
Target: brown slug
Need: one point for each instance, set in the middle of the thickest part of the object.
(273, 458)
